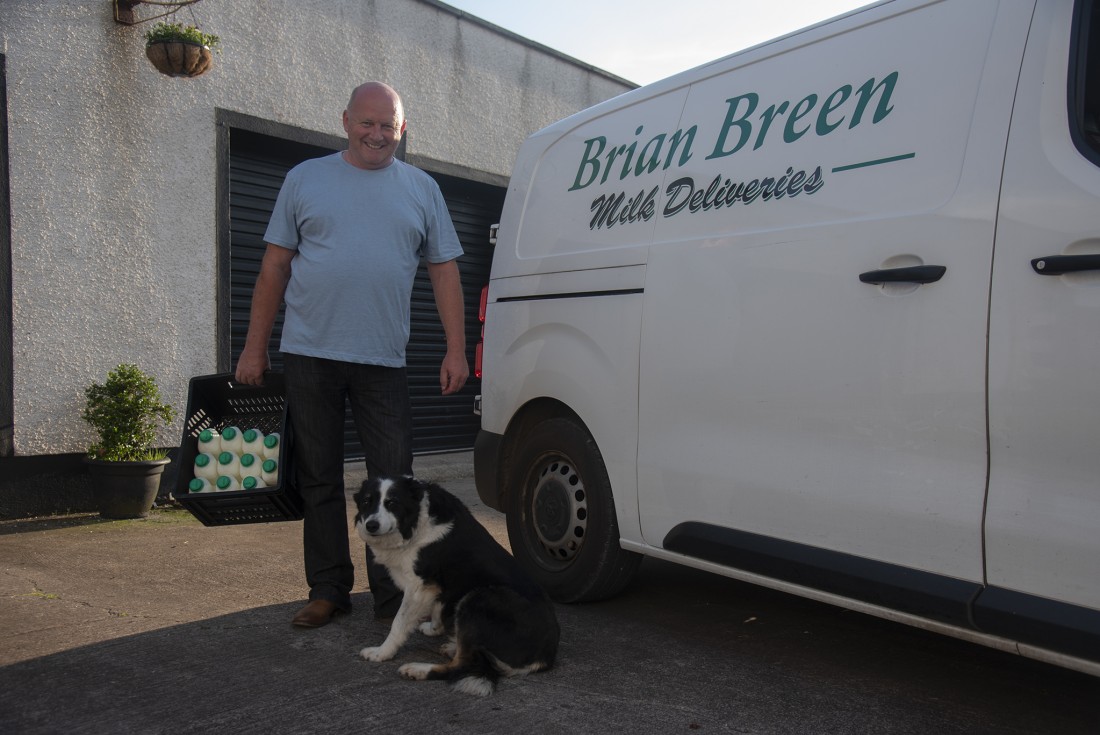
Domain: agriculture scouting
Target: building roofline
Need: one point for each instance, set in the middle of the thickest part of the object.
(523, 40)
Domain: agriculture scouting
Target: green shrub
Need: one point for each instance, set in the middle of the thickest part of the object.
(126, 412)
(177, 32)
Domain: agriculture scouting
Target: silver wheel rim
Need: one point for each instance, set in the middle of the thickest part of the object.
(559, 511)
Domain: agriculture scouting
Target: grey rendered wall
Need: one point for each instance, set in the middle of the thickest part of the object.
(112, 165)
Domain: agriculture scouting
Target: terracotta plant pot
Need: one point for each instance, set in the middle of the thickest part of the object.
(125, 489)
(180, 58)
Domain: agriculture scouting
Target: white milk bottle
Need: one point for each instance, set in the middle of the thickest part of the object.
(210, 442)
(252, 483)
(251, 465)
(206, 467)
(252, 442)
(232, 440)
(271, 446)
(229, 465)
(199, 485)
(227, 483)
(270, 472)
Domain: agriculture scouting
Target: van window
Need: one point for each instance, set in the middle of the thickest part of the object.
(1084, 81)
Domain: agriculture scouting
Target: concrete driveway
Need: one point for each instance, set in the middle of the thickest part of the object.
(164, 626)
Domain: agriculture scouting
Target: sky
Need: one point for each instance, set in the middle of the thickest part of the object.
(643, 41)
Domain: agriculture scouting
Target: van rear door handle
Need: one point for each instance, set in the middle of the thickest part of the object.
(1056, 265)
(912, 274)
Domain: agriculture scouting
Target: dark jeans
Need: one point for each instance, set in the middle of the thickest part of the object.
(317, 393)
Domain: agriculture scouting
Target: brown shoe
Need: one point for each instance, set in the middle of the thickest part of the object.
(316, 614)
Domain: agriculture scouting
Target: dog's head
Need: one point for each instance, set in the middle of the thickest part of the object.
(388, 510)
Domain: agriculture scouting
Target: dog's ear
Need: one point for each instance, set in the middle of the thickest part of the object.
(416, 488)
(363, 491)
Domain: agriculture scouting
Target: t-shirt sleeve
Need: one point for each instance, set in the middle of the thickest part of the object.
(282, 228)
(442, 242)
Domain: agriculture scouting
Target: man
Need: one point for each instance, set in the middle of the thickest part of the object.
(343, 246)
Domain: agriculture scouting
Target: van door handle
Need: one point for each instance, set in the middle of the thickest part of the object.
(912, 274)
(1056, 265)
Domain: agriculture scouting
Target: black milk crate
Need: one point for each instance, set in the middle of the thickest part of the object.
(216, 402)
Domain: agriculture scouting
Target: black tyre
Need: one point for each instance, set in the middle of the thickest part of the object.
(561, 515)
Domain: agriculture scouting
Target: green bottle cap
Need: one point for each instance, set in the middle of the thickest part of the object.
(229, 433)
(247, 460)
(225, 457)
(195, 485)
(224, 482)
(206, 435)
(202, 460)
(271, 440)
(270, 465)
(250, 435)
(249, 483)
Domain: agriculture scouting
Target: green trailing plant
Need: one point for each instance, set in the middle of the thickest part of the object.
(126, 412)
(162, 32)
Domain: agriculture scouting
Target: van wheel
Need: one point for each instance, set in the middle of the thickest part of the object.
(561, 515)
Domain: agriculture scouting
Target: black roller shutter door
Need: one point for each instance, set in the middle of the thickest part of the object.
(446, 423)
(257, 166)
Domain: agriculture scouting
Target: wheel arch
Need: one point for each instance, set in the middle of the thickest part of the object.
(529, 415)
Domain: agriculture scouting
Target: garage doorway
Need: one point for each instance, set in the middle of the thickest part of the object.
(256, 158)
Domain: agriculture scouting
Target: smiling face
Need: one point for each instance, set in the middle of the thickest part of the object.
(374, 122)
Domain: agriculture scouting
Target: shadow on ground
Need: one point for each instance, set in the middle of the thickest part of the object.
(682, 651)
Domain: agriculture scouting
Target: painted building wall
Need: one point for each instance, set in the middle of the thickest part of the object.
(112, 165)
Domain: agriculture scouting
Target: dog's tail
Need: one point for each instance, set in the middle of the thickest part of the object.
(474, 673)
(469, 673)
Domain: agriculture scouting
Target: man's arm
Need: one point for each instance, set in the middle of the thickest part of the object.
(267, 296)
(447, 288)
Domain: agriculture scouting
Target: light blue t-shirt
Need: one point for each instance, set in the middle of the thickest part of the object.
(359, 236)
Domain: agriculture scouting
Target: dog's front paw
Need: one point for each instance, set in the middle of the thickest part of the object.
(377, 653)
(419, 672)
(431, 628)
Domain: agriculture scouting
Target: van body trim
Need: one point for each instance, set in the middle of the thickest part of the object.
(488, 450)
(1058, 626)
(928, 595)
(999, 643)
(1030, 620)
(573, 295)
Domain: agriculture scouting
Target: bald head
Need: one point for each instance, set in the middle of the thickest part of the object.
(374, 121)
(379, 91)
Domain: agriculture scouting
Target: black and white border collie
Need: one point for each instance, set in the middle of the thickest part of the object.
(458, 580)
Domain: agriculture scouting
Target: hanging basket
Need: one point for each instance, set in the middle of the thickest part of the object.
(180, 58)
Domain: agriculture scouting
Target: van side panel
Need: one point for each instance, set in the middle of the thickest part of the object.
(1043, 523)
(572, 338)
(583, 193)
(808, 300)
(780, 395)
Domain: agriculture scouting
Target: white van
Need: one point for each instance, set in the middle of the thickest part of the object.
(822, 315)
